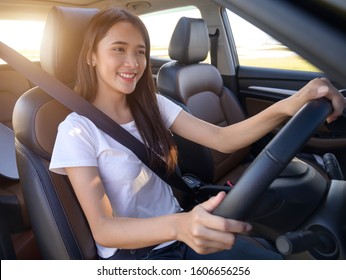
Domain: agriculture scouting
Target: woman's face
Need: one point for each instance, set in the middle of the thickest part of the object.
(120, 59)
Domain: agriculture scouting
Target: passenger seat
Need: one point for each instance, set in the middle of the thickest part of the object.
(199, 87)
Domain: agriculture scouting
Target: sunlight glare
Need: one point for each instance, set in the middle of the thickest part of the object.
(23, 36)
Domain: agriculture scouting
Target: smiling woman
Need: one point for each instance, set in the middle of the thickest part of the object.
(23, 36)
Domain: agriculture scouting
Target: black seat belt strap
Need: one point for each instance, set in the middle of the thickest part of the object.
(214, 41)
(78, 104)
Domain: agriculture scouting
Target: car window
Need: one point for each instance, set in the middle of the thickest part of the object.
(23, 36)
(161, 24)
(258, 49)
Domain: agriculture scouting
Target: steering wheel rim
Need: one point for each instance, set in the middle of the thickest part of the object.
(273, 159)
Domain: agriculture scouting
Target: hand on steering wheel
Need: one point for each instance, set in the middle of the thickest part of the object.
(273, 159)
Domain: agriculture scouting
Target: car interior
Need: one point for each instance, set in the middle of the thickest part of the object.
(205, 97)
(40, 216)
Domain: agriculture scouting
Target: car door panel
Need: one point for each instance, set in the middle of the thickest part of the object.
(259, 88)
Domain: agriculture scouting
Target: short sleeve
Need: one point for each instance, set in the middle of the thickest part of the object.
(168, 109)
(73, 146)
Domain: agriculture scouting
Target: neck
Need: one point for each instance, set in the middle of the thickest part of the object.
(116, 108)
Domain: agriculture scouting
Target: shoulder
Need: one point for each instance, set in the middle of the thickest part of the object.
(75, 124)
(168, 109)
(76, 120)
(161, 99)
(164, 102)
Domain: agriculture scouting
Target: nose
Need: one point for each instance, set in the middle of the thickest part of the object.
(131, 61)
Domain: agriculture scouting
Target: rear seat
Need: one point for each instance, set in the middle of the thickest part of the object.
(12, 86)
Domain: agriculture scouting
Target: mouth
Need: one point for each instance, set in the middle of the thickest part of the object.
(127, 75)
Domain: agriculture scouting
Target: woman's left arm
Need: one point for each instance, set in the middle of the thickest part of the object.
(234, 137)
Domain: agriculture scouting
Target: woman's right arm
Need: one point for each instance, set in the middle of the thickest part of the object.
(202, 231)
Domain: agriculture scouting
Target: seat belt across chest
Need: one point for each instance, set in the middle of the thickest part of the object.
(78, 104)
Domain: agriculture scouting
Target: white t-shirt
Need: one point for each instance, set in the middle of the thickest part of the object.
(132, 188)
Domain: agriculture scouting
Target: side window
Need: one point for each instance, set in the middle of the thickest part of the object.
(258, 49)
(23, 36)
(161, 24)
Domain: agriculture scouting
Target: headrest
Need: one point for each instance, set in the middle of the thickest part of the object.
(62, 41)
(36, 115)
(190, 41)
(36, 118)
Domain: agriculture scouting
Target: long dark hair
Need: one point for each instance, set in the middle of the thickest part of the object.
(143, 101)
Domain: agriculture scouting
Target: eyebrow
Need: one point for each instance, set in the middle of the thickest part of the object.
(124, 43)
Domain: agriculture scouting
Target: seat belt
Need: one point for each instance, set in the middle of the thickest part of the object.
(78, 104)
(214, 42)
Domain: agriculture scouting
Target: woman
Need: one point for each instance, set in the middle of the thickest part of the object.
(127, 206)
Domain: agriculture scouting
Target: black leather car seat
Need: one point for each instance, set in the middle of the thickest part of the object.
(57, 220)
(199, 87)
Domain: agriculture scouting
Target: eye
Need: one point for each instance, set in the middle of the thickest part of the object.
(118, 49)
(141, 52)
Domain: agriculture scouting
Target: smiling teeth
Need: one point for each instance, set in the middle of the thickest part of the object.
(127, 76)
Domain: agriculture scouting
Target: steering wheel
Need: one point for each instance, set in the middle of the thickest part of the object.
(273, 159)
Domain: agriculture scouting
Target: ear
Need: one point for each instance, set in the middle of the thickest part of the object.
(93, 59)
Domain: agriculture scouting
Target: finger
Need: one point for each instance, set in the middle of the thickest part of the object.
(329, 91)
(213, 202)
(322, 90)
(238, 226)
(221, 224)
(325, 79)
(337, 101)
(211, 239)
(212, 247)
